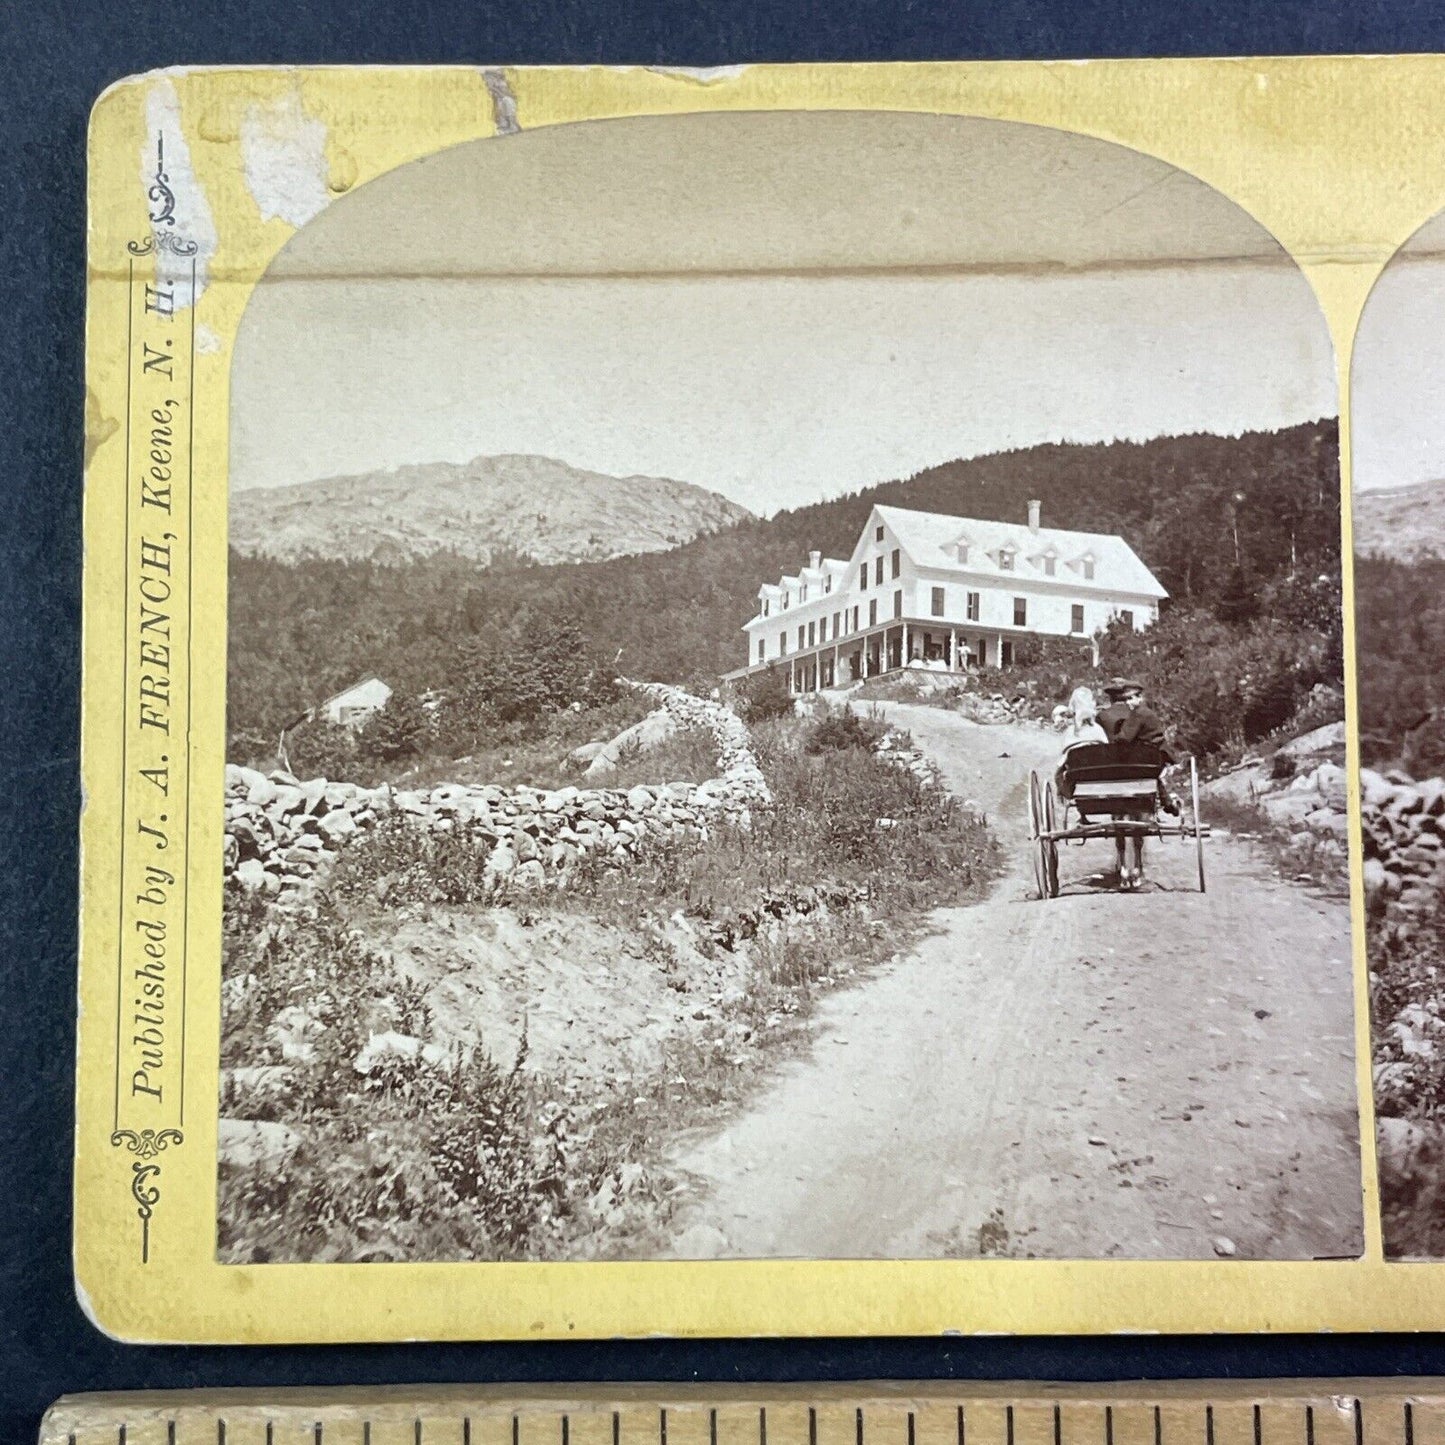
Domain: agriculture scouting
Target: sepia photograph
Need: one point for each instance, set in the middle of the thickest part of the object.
(1397, 383)
(785, 699)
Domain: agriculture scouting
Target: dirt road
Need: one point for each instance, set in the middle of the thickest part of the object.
(1155, 1075)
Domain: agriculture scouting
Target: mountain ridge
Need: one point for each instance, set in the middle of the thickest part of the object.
(510, 504)
(1405, 522)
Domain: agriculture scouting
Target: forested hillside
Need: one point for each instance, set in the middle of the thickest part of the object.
(1225, 523)
(1400, 646)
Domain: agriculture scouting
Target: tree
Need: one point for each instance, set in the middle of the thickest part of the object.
(1238, 600)
(397, 732)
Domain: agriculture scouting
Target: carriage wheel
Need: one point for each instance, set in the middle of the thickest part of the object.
(1036, 819)
(1198, 836)
(1048, 847)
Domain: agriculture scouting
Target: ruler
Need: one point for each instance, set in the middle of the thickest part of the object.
(1260, 1412)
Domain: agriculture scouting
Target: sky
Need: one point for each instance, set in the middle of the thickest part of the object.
(1397, 370)
(769, 308)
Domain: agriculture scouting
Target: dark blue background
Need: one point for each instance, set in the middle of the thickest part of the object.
(56, 59)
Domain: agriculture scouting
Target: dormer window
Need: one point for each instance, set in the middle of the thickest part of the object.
(765, 606)
(787, 597)
(1088, 566)
(804, 596)
(878, 534)
(1006, 559)
(962, 550)
(1050, 561)
(828, 583)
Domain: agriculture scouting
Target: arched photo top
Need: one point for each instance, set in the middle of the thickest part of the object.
(1397, 385)
(770, 191)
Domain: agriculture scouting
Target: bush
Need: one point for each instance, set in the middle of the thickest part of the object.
(762, 696)
(841, 728)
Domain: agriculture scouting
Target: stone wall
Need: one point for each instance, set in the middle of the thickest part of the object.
(1403, 822)
(281, 832)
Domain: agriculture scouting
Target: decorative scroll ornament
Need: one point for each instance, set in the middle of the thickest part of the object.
(163, 198)
(147, 1144)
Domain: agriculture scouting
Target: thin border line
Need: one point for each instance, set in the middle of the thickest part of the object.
(190, 676)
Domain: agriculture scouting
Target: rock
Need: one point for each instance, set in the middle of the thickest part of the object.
(286, 800)
(254, 1144)
(240, 781)
(529, 877)
(391, 1047)
(250, 874)
(261, 791)
(640, 798)
(1331, 735)
(338, 824)
(500, 866)
(1225, 1247)
(1374, 875)
(314, 795)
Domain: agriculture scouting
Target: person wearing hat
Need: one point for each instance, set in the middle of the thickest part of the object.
(1128, 719)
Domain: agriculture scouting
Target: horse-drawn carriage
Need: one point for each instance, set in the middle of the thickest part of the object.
(1107, 790)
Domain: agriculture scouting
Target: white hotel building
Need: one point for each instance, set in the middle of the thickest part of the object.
(951, 593)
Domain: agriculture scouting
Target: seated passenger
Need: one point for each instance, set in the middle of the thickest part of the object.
(1080, 720)
(1129, 719)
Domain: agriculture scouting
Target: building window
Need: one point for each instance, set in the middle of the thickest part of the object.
(897, 561)
(862, 576)
(765, 606)
(782, 644)
(898, 603)
(828, 583)
(878, 571)
(873, 613)
(878, 535)
(1006, 560)
(812, 633)
(801, 631)
(1049, 565)
(963, 552)
(1127, 617)
(855, 619)
(837, 616)
(1076, 617)
(1005, 654)
(937, 602)
(822, 629)
(973, 603)
(1088, 569)
(762, 648)
(787, 597)
(1021, 612)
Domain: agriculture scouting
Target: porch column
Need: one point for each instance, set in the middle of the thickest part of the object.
(792, 674)
(903, 656)
(952, 650)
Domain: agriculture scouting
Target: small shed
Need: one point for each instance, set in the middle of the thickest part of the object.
(351, 708)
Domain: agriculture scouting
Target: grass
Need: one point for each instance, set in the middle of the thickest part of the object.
(472, 1160)
(688, 756)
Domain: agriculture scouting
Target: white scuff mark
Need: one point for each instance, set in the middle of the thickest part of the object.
(207, 342)
(283, 154)
(183, 231)
(701, 74)
(504, 103)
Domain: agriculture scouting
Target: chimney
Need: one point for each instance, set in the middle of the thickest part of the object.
(815, 560)
(1033, 516)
